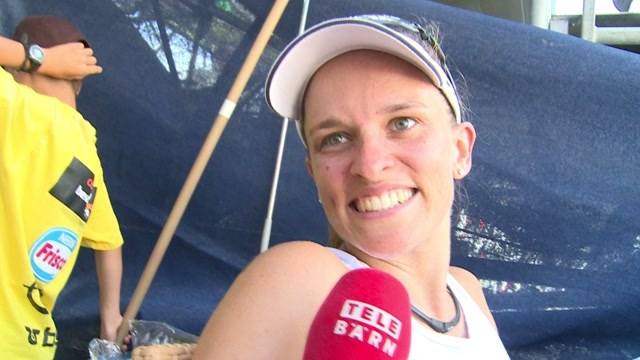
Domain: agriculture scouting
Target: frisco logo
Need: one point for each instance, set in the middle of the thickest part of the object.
(50, 252)
(371, 325)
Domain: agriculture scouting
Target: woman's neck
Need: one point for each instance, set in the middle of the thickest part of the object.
(422, 270)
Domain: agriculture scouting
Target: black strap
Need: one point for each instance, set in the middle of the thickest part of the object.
(26, 64)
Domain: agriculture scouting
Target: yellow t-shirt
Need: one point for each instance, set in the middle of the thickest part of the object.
(52, 201)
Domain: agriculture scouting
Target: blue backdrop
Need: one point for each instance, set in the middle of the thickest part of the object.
(548, 218)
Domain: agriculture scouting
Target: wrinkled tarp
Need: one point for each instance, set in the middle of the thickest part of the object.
(548, 218)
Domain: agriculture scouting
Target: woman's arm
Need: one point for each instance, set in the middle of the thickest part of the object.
(267, 312)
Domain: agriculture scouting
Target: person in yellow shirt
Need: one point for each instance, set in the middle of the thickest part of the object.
(53, 198)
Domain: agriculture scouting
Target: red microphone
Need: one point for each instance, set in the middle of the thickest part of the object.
(367, 315)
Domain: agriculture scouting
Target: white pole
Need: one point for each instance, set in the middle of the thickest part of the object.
(541, 13)
(266, 229)
(589, 20)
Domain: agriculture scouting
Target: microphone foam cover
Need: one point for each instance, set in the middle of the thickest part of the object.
(367, 315)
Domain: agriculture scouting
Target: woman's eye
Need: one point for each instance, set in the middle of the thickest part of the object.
(403, 123)
(334, 139)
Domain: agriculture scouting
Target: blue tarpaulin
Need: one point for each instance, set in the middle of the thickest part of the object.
(548, 218)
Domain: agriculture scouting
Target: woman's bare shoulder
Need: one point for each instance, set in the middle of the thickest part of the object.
(464, 276)
(272, 302)
(288, 274)
(471, 283)
(296, 260)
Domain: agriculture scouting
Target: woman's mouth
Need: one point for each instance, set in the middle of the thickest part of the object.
(384, 201)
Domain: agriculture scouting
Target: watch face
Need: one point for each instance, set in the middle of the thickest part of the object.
(36, 54)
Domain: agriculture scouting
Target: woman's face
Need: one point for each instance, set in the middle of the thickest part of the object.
(383, 151)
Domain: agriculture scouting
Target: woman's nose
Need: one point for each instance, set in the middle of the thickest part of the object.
(372, 156)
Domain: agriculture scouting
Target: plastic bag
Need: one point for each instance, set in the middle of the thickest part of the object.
(143, 333)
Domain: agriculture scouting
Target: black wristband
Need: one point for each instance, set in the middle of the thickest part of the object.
(26, 64)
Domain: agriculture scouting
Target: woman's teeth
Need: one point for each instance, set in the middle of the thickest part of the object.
(384, 201)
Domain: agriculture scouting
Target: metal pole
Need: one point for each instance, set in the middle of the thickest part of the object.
(541, 13)
(206, 151)
(588, 20)
(617, 35)
(266, 229)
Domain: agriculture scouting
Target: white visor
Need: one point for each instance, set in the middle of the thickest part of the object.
(290, 74)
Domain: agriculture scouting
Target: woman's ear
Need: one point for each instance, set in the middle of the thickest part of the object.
(464, 138)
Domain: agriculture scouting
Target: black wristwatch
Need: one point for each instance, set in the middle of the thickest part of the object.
(34, 55)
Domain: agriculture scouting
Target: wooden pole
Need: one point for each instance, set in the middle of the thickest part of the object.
(224, 114)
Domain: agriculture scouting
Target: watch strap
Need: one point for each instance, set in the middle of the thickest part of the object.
(29, 64)
(26, 63)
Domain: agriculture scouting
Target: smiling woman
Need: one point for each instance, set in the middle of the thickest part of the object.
(382, 123)
(377, 129)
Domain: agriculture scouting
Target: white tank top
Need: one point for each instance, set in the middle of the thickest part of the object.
(483, 341)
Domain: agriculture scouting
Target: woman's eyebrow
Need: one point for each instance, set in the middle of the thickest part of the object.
(325, 124)
(401, 106)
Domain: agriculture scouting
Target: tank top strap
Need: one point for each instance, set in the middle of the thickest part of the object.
(477, 322)
(350, 261)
